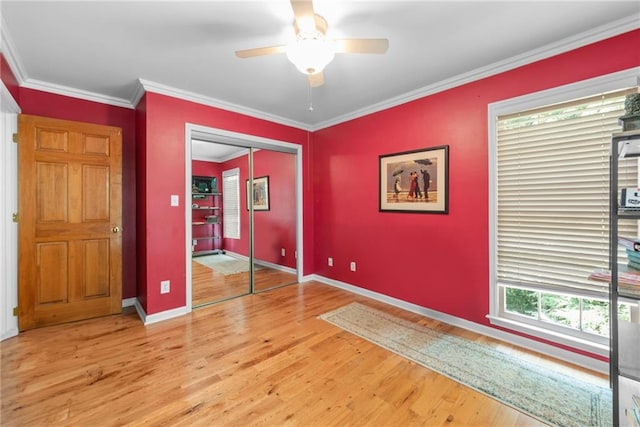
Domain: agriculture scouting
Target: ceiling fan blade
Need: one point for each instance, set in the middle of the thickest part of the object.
(362, 45)
(259, 51)
(304, 15)
(316, 80)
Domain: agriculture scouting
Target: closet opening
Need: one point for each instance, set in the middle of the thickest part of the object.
(243, 215)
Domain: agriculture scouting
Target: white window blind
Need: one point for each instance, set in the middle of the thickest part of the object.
(553, 193)
(231, 204)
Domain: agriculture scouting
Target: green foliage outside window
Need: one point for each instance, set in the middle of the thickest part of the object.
(588, 315)
(560, 309)
(522, 302)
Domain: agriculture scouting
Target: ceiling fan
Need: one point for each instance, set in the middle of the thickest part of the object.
(312, 50)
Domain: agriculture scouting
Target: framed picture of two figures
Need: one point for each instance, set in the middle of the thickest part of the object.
(415, 181)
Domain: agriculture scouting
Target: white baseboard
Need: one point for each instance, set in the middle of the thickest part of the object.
(276, 266)
(141, 314)
(235, 255)
(158, 317)
(9, 333)
(310, 277)
(129, 302)
(529, 344)
(263, 263)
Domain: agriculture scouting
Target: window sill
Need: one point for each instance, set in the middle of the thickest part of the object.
(573, 342)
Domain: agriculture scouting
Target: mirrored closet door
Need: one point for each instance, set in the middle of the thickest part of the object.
(218, 271)
(243, 221)
(274, 219)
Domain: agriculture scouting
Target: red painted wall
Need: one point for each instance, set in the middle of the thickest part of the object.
(141, 193)
(276, 228)
(436, 261)
(164, 175)
(8, 78)
(46, 104)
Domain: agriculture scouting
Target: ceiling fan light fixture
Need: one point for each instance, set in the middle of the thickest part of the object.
(310, 54)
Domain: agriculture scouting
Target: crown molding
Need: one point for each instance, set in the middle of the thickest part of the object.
(137, 94)
(579, 40)
(15, 63)
(7, 47)
(76, 93)
(596, 34)
(149, 86)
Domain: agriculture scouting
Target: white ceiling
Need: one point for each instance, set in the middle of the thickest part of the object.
(100, 50)
(215, 152)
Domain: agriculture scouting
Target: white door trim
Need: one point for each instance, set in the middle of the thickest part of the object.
(234, 138)
(8, 205)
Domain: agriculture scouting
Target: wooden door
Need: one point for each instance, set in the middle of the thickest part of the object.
(69, 221)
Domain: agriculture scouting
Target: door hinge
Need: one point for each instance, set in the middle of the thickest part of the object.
(15, 138)
(15, 311)
(14, 217)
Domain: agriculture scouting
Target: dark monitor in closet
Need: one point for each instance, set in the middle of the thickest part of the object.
(204, 184)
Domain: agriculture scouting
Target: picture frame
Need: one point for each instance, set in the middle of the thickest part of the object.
(403, 177)
(260, 194)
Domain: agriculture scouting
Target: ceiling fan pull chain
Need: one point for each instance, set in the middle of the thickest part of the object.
(310, 99)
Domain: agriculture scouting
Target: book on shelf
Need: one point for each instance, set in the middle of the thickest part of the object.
(629, 243)
(633, 255)
(630, 277)
(634, 260)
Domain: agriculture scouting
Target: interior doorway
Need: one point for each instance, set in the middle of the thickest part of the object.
(9, 111)
(70, 205)
(244, 221)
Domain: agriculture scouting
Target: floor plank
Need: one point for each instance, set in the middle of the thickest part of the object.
(263, 360)
(209, 286)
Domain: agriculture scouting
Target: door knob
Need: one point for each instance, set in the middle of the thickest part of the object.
(115, 229)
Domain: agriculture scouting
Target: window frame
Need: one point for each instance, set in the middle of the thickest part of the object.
(497, 316)
(227, 222)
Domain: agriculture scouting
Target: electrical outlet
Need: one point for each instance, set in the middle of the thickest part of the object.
(165, 286)
(282, 252)
(330, 262)
(352, 266)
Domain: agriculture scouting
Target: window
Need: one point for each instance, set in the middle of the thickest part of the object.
(550, 216)
(561, 312)
(231, 204)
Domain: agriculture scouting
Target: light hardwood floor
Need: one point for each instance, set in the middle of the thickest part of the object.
(210, 286)
(262, 359)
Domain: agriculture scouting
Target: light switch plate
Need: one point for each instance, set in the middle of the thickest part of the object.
(165, 286)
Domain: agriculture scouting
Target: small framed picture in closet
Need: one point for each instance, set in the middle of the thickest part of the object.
(260, 194)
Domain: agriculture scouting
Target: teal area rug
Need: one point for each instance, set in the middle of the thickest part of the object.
(551, 397)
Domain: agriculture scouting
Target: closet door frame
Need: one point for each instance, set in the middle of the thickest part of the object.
(223, 136)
